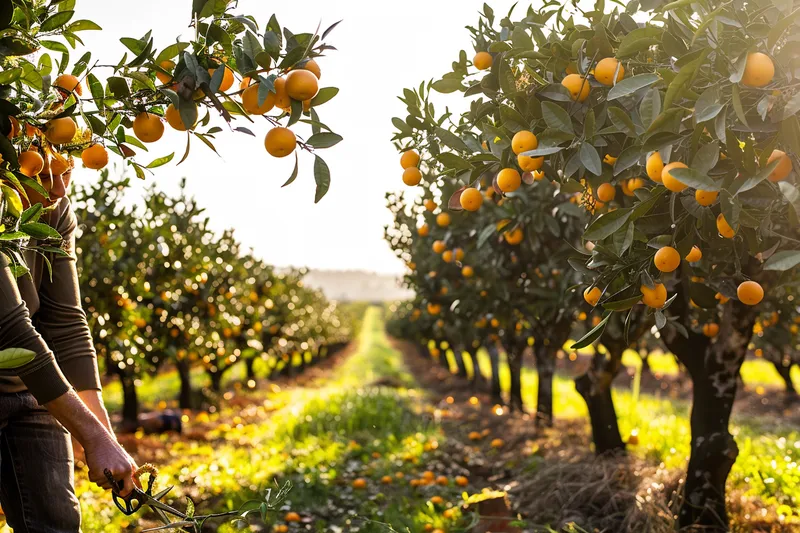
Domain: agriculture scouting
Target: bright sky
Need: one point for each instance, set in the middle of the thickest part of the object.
(382, 48)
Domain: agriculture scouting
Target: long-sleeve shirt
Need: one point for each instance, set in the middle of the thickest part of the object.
(45, 316)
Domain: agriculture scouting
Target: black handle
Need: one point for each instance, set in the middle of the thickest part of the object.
(125, 504)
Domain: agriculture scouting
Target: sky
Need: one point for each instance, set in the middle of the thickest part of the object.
(383, 47)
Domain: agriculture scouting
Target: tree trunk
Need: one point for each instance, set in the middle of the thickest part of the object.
(216, 381)
(514, 356)
(458, 354)
(251, 372)
(185, 397)
(477, 377)
(496, 389)
(595, 388)
(130, 402)
(545, 368)
(714, 369)
(784, 368)
(646, 370)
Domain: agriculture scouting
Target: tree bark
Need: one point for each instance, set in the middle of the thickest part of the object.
(496, 389)
(514, 356)
(458, 354)
(784, 368)
(545, 368)
(249, 365)
(477, 377)
(185, 397)
(130, 402)
(714, 369)
(216, 381)
(594, 386)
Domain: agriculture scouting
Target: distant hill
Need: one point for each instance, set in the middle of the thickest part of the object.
(357, 285)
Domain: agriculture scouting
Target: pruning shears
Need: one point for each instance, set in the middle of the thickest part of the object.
(138, 498)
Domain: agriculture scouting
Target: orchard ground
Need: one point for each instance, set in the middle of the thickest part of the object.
(425, 444)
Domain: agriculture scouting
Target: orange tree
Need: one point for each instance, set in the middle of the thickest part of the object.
(50, 112)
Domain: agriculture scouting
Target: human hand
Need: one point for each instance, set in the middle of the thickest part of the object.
(107, 454)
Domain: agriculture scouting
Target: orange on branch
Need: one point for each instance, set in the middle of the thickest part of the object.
(524, 141)
(95, 156)
(69, 83)
(654, 167)
(758, 70)
(577, 85)
(447, 256)
(509, 180)
(313, 66)
(750, 292)
(148, 127)
(655, 297)
(423, 230)
(282, 99)
(784, 168)
(694, 255)
(711, 329)
(227, 78)
(430, 205)
(60, 130)
(529, 164)
(439, 246)
(604, 71)
(592, 295)
(467, 271)
(724, 228)
(482, 60)
(168, 66)
(705, 198)
(471, 199)
(514, 237)
(250, 101)
(412, 176)
(30, 163)
(606, 192)
(443, 220)
(410, 158)
(667, 259)
(301, 84)
(671, 183)
(280, 142)
(174, 119)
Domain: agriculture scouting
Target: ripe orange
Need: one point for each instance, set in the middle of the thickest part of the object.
(711, 329)
(523, 141)
(509, 180)
(750, 292)
(635, 183)
(497, 443)
(227, 78)
(282, 99)
(360, 483)
(538, 175)
(758, 70)
(471, 199)
(656, 297)
(386, 480)
(784, 167)
(439, 246)
(312, 66)
(443, 481)
(447, 256)
(174, 119)
(482, 60)
(245, 83)
(165, 78)
(654, 167)
(724, 228)
(705, 198)
(694, 255)
(458, 254)
(434, 309)
(604, 71)
(30, 163)
(514, 237)
(437, 500)
(430, 205)
(423, 230)
(669, 182)
(250, 101)
(60, 130)
(529, 164)
(592, 296)
(292, 517)
(302, 84)
(667, 259)
(95, 157)
(148, 127)
(280, 142)
(69, 83)
(412, 176)
(475, 435)
(606, 192)
(443, 220)
(722, 298)
(577, 85)
(280, 528)
(410, 158)
(467, 271)
(461, 481)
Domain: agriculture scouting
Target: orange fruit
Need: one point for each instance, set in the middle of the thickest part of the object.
(694, 255)
(30, 163)
(635, 183)
(312, 66)
(439, 246)
(280, 528)
(461, 481)
(604, 71)
(667, 259)
(423, 230)
(705, 198)
(15, 129)
(606, 192)
(538, 175)
(386, 480)
(447, 256)
(669, 182)
(529, 164)
(280, 142)
(360, 483)
(784, 167)
(482, 60)
(443, 220)
(165, 78)
(227, 78)
(724, 228)
(654, 167)
(655, 297)
(497, 443)
(514, 237)
(459, 254)
(471, 199)
(148, 127)
(722, 298)
(437, 500)
(750, 292)
(430, 205)
(60, 130)
(467, 271)
(250, 101)
(69, 83)
(410, 158)
(509, 180)
(301, 84)
(592, 296)
(758, 70)
(524, 141)
(292, 517)
(174, 119)
(443, 481)
(711, 329)
(577, 85)
(245, 83)
(95, 157)
(412, 176)
(282, 99)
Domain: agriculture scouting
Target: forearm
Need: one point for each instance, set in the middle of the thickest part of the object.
(93, 399)
(79, 420)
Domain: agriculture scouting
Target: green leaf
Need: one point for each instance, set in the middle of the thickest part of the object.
(629, 157)
(707, 106)
(452, 140)
(37, 230)
(622, 121)
(171, 52)
(447, 85)
(56, 21)
(324, 140)
(782, 261)
(706, 158)
(322, 176)
(84, 25)
(696, 180)
(9, 76)
(591, 159)
(622, 305)
(294, 172)
(15, 357)
(681, 81)
(31, 214)
(607, 224)
(557, 117)
(451, 160)
(638, 40)
(650, 107)
(630, 85)
(325, 94)
(543, 150)
(161, 161)
(781, 26)
(737, 105)
(592, 335)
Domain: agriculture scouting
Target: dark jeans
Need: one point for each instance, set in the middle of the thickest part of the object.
(36, 469)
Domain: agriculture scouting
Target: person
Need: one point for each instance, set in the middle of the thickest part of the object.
(56, 394)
